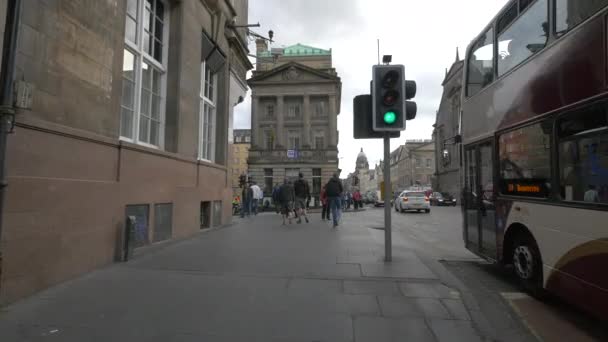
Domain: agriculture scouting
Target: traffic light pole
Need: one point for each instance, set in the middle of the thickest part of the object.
(388, 243)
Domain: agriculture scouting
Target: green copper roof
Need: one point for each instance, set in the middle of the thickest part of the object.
(301, 50)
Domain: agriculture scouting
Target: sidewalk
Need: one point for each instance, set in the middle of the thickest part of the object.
(253, 281)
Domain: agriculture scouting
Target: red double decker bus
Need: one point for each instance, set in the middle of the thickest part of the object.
(534, 126)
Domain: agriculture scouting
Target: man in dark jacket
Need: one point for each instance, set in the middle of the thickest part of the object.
(286, 197)
(302, 192)
(334, 191)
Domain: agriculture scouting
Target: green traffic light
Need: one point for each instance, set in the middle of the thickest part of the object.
(390, 117)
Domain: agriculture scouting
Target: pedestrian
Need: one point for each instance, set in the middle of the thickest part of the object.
(324, 203)
(591, 195)
(246, 197)
(335, 191)
(276, 201)
(302, 192)
(357, 199)
(286, 198)
(258, 195)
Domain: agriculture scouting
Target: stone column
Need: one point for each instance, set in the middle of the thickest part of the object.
(333, 123)
(280, 132)
(306, 127)
(255, 122)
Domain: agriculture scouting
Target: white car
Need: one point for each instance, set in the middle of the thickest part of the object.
(412, 200)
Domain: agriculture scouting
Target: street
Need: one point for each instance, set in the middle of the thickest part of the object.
(257, 280)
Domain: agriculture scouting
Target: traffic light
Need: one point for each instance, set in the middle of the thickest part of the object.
(362, 120)
(388, 98)
(410, 106)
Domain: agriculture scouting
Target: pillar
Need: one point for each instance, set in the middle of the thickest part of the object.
(306, 127)
(255, 122)
(333, 123)
(280, 133)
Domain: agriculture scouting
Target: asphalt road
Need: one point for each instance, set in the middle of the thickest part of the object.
(512, 314)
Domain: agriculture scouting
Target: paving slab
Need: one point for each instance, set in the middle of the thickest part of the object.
(454, 331)
(383, 329)
(427, 290)
(380, 288)
(457, 309)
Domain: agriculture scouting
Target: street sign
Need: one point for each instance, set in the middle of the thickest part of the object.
(292, 154)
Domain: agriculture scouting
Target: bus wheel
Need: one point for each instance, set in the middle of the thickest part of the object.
(527, 264)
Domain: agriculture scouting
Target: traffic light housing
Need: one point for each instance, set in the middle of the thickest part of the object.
(388, 98)
(362, 120)
(390, 95)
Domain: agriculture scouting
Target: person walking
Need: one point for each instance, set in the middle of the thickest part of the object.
(286, 198)
(258, 196)
(324, 203)
(246, 197)
(334, 191)
(357, 199)
(276, 201)
(302, 192)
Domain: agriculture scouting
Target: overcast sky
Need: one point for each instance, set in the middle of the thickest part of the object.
(422, 35)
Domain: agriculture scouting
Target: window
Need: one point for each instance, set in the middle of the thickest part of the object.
(319, 143)
(481, 64)
(268, 182)
(316, 181)
(247, 138)
(428, 162)
(583, 155)
(269, 140)
(568, 13)
(525, 162)
(418, 162)
(319, 140)
(208, 113)
(320, 108)
(294, 140)
(205, 215)
(526, 36)
(270, 111)
(293, 110)
(163, 217)
(144, 70)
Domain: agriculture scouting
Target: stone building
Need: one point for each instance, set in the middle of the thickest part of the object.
(446, 130)
(363, 179)
(131, 116)
(295, 103)
(240, 153)
(413, 165)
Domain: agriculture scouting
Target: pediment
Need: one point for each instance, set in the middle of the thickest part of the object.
(293, 72)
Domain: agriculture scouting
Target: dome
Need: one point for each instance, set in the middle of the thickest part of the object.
(362, 160)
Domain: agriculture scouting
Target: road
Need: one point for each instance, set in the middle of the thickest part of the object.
(438, 236)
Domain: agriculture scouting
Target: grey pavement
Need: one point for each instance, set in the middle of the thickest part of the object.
(254, 281)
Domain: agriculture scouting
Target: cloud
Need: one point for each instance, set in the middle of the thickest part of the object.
(422, 35)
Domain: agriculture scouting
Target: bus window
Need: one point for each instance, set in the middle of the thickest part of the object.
(481, 64)
(583, 156)
(525, 37)
(525, 161)
(569, 14)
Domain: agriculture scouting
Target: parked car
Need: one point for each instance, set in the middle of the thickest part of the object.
(412, 200)
(442, 198)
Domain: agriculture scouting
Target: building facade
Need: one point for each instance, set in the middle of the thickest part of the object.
(129, 118)
(363, 179)
(413, 165)
(240, 154)
(446, 130)
(295, 104)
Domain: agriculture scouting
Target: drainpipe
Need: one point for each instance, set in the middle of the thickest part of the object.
(7, 111)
